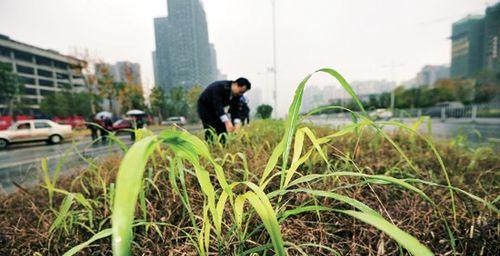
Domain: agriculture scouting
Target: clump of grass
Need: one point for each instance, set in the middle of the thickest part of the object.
(298, 189)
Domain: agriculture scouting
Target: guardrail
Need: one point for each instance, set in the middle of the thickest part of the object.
(490, 110)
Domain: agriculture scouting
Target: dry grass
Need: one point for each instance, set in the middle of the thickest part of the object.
(26, 215)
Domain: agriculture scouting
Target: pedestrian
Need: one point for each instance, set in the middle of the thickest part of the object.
(91, 125)
(212, 101)
(137, 123)
(242, 109)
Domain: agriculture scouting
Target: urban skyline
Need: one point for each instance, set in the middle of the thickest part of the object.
(424, 24)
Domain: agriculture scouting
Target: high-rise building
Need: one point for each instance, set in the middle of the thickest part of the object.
(475, 43)
(128, 72)
(429, 74)
(43, 72)
(121, 71)
(183, 55)
(467, 41)
(491, 57)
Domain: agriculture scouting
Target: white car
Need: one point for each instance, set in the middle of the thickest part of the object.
(175, 120)
(381, 114)
(34, 130)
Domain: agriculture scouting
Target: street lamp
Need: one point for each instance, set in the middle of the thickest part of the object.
(275, 93)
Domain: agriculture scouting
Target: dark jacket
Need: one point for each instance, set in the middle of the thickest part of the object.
(243, 111)
(215, 97)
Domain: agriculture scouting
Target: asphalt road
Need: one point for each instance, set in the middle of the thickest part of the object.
(21, 163)
(483, 130)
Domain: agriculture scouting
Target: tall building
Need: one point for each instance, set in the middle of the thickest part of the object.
(429, 74)
(125, 71)
(467, 42)
(121, 71)
(183, 55)
(491, 57)
(475, 43)
(43, 72)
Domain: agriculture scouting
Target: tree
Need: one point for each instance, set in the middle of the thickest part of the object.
(192, 96)
(10, 87)
(131, 96)
(157, 100)
(66, 103)
(176, 103)
(264, 111)
(106, 86)
(487, 86)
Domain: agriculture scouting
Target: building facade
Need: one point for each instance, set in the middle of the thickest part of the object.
(467, 41)
(127, 72)
(491, 59)
(43, 72)
(431, 73)
(183, 54)
(120, 72)
(475, 44)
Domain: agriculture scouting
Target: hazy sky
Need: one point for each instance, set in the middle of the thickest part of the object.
(370, 39)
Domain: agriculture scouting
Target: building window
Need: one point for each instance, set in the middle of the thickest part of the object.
(24, 56)
(63, 85)
(25, 70)
(62, 76)
(4, 52)
(43, 61)
(46, 92)
(30, 91)
(27, 80)
(45, 73)
(9, 66)
(61, 65)
(45, 82)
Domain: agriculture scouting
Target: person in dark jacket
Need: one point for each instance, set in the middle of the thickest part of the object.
(212, 101)
(243, 111)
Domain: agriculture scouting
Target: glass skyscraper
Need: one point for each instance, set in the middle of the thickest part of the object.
(183, 55)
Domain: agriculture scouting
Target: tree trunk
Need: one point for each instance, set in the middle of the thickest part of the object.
(110, 105)
(11, 107)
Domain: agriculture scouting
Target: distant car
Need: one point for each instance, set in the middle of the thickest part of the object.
(381, 114)
(34, 130)
(175, 120)
(122, 124)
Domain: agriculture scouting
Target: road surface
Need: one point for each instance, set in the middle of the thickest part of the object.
(21, 163)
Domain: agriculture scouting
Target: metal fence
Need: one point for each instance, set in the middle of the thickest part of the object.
(490, 110)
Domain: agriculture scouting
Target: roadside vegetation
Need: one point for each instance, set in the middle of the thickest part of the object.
(278, 187)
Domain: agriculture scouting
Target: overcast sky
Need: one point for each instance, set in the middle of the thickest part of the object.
(364, 40)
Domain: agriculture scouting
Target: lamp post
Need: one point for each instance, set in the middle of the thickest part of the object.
(275, 92)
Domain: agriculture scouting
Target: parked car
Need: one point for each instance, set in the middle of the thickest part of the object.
(34, 130)
(175, 120)
(381, 114)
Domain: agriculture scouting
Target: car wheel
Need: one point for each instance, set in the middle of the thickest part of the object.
(3, 143)
(55, 139)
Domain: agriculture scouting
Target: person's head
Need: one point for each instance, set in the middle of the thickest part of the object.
(240, 86)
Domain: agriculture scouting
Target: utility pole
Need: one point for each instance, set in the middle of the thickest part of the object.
(275, 93)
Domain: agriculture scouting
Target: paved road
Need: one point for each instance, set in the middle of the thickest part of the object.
(21, 163)
(479, 131)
